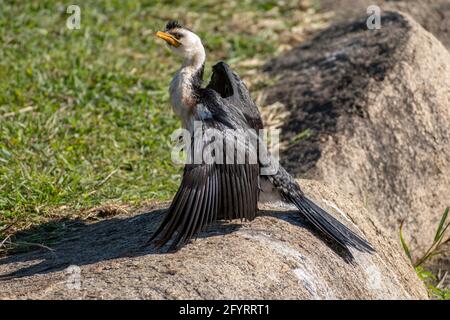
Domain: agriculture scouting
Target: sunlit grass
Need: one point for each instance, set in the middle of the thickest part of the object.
(84, 114)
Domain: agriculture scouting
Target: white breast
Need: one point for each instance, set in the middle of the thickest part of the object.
(181, 93)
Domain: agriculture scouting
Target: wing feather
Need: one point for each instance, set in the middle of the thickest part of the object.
(212, 191)
(229, 85)
(208, 192)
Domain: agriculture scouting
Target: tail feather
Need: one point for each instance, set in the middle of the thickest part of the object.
(322, 220)
(330, 225)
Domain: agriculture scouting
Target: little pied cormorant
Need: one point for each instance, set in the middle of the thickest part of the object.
(226, 191)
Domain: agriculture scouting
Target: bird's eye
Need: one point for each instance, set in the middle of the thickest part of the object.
(177, 35)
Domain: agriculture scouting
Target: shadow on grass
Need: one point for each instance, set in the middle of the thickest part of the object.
(76, 242)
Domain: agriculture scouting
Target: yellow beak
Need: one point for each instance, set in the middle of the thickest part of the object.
(170, 39)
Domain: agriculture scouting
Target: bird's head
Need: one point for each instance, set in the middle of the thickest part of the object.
(182, 41)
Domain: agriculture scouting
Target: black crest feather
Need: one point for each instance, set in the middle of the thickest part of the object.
(173, 24)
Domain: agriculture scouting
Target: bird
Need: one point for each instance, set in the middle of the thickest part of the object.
(212, 191)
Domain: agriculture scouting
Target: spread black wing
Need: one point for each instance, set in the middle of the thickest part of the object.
(228, 84)
(209, 190)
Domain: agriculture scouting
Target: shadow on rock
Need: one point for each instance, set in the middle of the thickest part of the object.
(81, 243)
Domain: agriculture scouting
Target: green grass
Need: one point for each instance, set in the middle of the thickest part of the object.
(84, 114)
(430, 280)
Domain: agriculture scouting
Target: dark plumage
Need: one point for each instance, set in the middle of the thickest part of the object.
(173, 24)
(211, 191)
(226, 191)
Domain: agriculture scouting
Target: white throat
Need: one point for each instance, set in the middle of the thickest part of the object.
(181, 88)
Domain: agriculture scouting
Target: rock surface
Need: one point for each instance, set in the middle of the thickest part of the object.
(377, 107)
(433, 15)
(276, 256)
